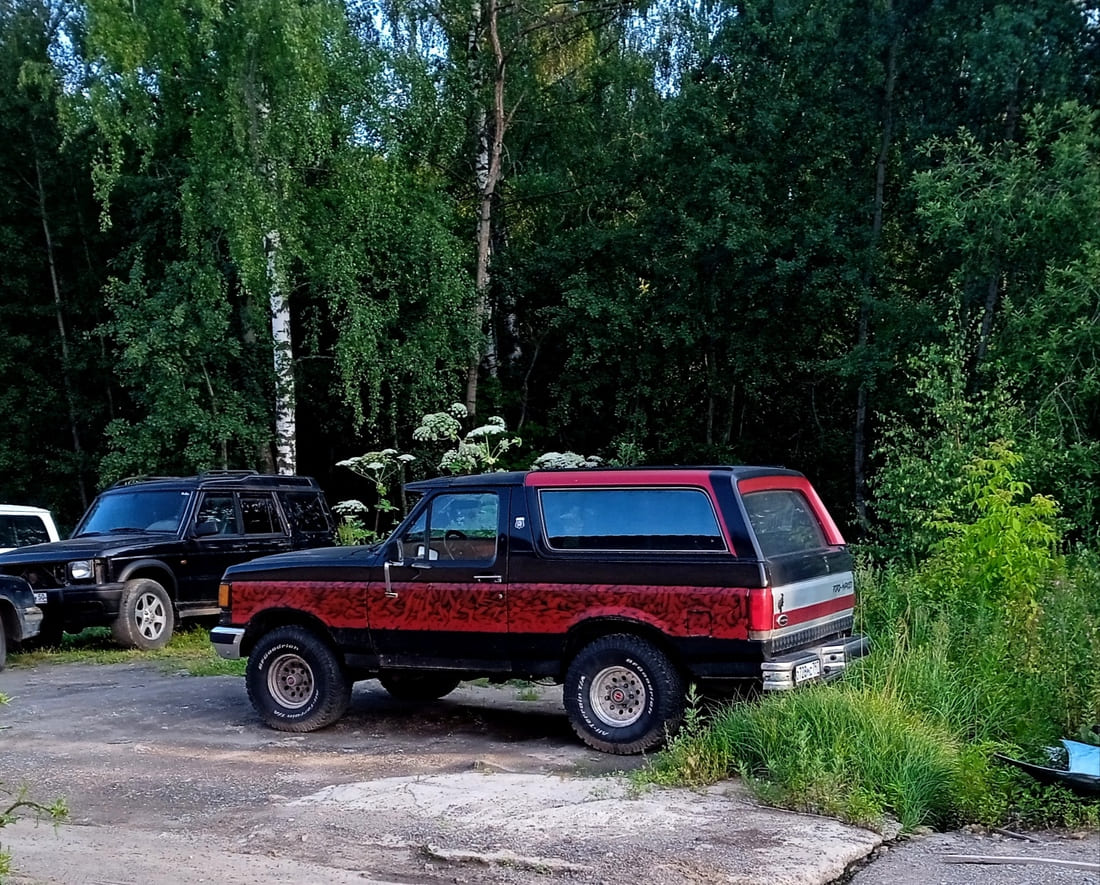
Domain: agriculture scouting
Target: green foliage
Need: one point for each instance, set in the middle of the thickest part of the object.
(999, 550)
(989, 645)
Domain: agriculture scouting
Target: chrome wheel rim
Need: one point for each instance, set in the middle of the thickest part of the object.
(617, 696)
(290, 681)
(150, 615)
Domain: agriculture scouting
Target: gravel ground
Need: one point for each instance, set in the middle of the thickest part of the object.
(1039, 859)
(172, 779)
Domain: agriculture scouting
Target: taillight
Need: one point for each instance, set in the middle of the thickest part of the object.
(761, 609)
(223, 594)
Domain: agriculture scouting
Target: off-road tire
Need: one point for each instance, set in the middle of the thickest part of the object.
(145, 616)
(295, 680)
(623, 695)
(418, 685)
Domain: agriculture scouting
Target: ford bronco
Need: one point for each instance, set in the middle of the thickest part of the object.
(624, 585)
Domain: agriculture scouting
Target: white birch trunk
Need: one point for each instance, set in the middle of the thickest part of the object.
(285, 429)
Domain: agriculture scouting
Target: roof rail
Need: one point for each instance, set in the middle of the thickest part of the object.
(212, 474)
(134, 480)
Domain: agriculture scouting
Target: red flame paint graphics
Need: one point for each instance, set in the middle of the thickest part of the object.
(337, 603)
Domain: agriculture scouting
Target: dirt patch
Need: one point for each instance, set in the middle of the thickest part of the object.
(173, 779)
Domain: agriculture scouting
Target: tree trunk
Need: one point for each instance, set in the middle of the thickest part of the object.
(285, 431)
(863, 335)
(487, 170)
(66, 380)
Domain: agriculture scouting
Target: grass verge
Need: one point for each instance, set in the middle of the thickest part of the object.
(189, 651)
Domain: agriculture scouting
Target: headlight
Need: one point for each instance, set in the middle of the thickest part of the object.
(81, 570)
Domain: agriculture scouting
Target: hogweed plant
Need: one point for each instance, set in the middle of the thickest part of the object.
(385, 470)
(475, 451)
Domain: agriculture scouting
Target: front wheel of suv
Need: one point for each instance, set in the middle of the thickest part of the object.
(145, 617)
(295, 680)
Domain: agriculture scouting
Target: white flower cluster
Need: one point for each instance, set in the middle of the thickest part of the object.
(565, 461)
(461, 459)
(494, 427)
(351, 507)
(438, 425)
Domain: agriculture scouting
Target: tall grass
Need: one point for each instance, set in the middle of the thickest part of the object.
(992, 644)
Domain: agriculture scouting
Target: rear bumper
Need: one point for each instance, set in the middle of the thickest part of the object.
(227, 641)
(822, 662)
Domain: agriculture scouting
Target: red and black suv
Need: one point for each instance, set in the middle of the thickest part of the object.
(625, 585)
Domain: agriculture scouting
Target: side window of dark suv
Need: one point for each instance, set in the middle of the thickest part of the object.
(259, 515)
(306, 512)
(217, 515)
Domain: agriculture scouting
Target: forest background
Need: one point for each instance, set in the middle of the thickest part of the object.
(860, 238)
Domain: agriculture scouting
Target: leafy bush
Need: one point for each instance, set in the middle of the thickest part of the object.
(989, 645)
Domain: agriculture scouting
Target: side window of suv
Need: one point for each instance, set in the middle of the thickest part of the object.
(217, 510)
(306, 512)
(259, 515)
(456, 526)
(18, 531)
(630, 519)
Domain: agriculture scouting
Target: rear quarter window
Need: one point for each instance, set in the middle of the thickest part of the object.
(630, 519)
(19, 531)
(306, 512)
(784, 522)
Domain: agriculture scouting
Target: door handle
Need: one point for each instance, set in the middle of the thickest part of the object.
(488, 579)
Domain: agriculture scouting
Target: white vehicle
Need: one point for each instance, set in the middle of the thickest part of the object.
(21, 526)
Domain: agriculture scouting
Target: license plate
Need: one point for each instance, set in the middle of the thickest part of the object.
(809, 670)
(39, 598)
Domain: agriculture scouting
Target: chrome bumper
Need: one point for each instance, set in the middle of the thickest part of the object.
(227, 641)
(823, 662)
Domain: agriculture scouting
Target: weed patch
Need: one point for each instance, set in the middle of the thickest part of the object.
(189, 651)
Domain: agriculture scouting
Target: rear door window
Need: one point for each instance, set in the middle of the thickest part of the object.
(259, 515)
(784, 522)
(640, 519)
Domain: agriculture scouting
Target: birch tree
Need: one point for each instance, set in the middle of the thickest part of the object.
(247, 88)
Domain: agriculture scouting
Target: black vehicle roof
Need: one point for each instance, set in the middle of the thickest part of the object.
(517, 477)
(217, 479)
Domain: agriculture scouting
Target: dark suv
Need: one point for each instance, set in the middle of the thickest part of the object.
(152, 550)
(20, 618)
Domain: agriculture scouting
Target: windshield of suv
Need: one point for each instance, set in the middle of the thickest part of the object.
(135, 510)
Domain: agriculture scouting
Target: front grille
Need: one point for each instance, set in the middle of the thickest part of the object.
(812, 635)
(46, 576)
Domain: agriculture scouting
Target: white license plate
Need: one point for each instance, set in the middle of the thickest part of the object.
(809, 670)
(39, 598)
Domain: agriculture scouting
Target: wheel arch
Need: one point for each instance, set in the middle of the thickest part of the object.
(154, 570)
(270, 619)
(589, 630)
(9, 621)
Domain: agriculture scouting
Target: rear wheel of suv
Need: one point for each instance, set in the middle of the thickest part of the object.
(623, 695)
(295, 681)
(418, 685)
(145, 617)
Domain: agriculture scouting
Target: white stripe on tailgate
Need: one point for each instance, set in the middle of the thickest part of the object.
(787, 597)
